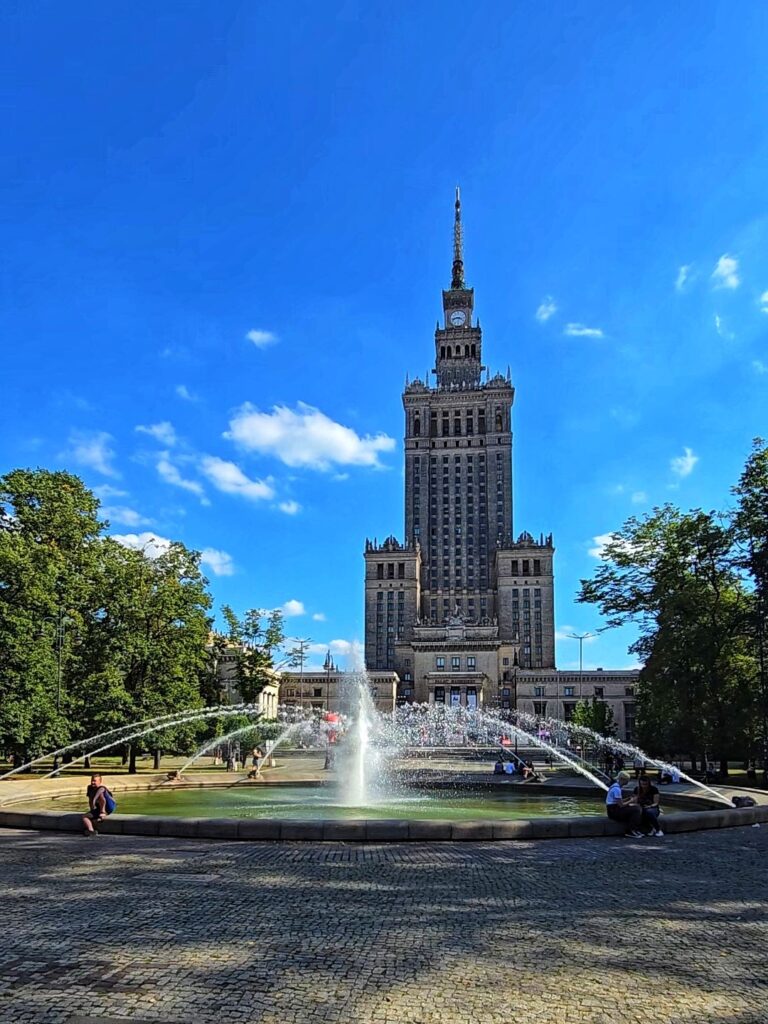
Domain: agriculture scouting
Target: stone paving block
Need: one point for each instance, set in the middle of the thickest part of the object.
(386, 830)
(427, 829)
(258, 828)
(217, 828)
(344, 831)
(472, 831)
(302, 830)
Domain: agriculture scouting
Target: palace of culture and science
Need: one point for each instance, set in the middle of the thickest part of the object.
(462, 610)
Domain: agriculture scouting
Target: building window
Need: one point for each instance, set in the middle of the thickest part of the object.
(538, 691)
(629, 691)
(568, 710)
(567, 691)
(317, 692)
(455, 663)
(504, 661)
(401, 570)
(599, 691)
(471, 662)
(380, 571)
(440, 663)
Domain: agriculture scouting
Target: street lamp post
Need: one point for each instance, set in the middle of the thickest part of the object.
(581, 637)
(298, 653)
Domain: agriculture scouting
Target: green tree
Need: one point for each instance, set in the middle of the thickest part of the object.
(751, 528)
(596, 715)
(48, 526)
(673, 575)
(256, 638)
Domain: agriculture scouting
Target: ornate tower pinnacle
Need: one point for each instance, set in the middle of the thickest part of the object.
(457, 276)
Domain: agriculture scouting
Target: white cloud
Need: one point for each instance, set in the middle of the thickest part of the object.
(682, 465)
(261, 339)
(352, 650)
(600, 542)
(726, 272)
(721, 329)
(305, 437)
(547, 309)
(764, 302)
(162, 432)
(289, 507)
(219, 562)
(229, 478)
(124, 515)
(108, 491)
(580, 331)
(170, 473)
(151, 545)
(759, 366)
(291, 609)
(682, 276)
(183, 392)
(639, 497)
(318, 617)
(93, 449)
(564, 633)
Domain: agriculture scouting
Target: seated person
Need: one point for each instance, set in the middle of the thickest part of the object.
(646, 796)
(498, 768)
(528, 770)
(622, 809)
(509, 768)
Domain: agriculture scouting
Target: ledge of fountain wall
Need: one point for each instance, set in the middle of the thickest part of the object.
(378, 830)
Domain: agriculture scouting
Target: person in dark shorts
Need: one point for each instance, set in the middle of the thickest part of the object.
(646, 796)
(97, 802)
(622, 809)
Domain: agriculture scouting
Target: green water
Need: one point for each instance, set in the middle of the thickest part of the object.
(320, 802)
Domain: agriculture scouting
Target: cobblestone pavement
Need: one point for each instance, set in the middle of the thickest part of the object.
(192, 932)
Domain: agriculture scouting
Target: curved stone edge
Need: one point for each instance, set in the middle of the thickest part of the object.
(374, 830)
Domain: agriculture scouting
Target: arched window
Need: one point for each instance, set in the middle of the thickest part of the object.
(458, 351)
(498, 421)
(466, 350)
(447, 351)
(442, 351)
(417, 425)
(473, 351)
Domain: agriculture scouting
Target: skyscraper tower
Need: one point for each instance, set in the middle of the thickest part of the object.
(459, 603)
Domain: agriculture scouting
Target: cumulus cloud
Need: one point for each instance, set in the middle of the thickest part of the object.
(682, 276)
(764, 302)
(219, 562)
(600, 542)
(183, 392)
(150, 544)
(547, 309)
(726, 272)
(170, 473)
(125, 516)
(162, 432)
(352, 650)
(229, 478)
(682, 465)
(94, 450)
(261, 339)
(291, 609)
(318, 617)
(291, 508)
(580, 331)
(565, 633)
(305, 437)
(108, 491)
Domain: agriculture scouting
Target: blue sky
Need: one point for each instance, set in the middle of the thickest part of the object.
(226, 227)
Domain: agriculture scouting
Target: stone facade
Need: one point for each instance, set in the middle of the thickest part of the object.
(463, 608)
(334, 691)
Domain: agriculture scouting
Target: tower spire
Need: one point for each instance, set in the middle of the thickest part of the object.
(457, 276)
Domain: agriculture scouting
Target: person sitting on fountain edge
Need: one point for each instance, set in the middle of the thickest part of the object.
(97, 801)
(621, 808)
(646, 796)
(498, 768)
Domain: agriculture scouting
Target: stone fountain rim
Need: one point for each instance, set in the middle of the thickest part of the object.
(369, 830)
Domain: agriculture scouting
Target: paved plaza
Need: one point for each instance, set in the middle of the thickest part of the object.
(561, 932)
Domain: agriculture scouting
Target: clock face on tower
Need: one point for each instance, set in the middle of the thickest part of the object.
(457, 318)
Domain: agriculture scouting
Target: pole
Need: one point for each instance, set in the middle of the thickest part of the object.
(299, 651)
(581, 637)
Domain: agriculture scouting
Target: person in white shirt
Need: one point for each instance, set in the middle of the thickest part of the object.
(620, 808)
